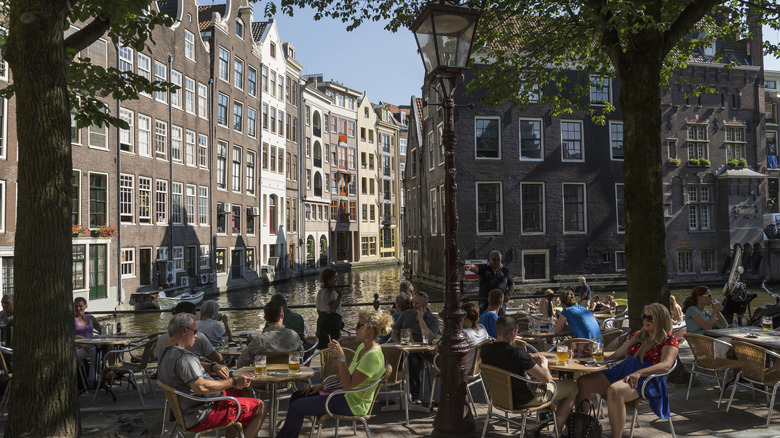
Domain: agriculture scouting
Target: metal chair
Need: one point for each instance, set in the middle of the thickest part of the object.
(705, 363)
(473, 375)
(752, 361)
(114, 363)
(396, 381)
(500, 397)
(319, 421)
(634, 404)
(7, 378)
(172, 399)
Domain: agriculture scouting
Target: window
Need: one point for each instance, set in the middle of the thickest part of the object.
(160, 139)
(98, 187)
(239, 28)
(250, 221)
(264, 77)
(697, 142)
(620, 208)
(616, 140)
(671, 148)
(189, 95)
(176, 143)
(272, 50)
(699, 207)
(599, 90)
(238, 73)
(222, 109)
(273, 158)
(708, 261)
(144, 200)
(251, 122)
(489, 212)
(126, 135)
(178, 257)
(161, 202)
(145, 69)
(250, 172)
(75, 200)
(735, 142)
(176, 94)
(273, 83)
(530, 139)
(204, 257)
(573, 208)
(222, 64)
(535, 265)
(203, 151)
(191, 204)
(177, 190)
(79, 266)
(237, 152)
(203, 94)
(770, 84)
(685, 262)
(189, 147)
(203, 205)
(221, 164)
(219, 260)
(238, 116)
(235, 216)
(487, 136)
(97, 137)
(160, 75)
(126, 198)
(189, 45)
(571, 140)
(265, 155)
(281, 123)
(125, 59)
(351, 129)
(252, 81)
(532, 207)
(272, 123)
(127, 264)
(620, 260)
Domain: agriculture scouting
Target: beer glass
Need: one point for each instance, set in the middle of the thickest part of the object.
(562, 354)
(766, 323)
(261, 368)
(597, 351)
(294, 363)
(406, 334)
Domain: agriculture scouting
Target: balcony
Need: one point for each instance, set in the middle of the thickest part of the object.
(388, 220)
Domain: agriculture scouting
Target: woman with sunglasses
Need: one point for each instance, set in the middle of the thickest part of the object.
(651, 350)
(367, 366)
(698, 320)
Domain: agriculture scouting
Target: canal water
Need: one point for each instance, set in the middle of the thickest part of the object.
(362, 284)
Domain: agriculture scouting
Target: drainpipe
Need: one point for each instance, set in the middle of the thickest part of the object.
(119, 294)
(212, 133)
(170, 167)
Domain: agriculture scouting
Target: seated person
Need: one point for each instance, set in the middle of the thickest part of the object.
(202, 346)
(293, 321)
(86, 325)
(578, 319)
(651, 350)
(596, 305)
(475, 333)
(547, 308)
(8, 308)
(182, 370)
(418, 318)
(402, 304)
(406, 289)
(209, 324)
(275, 339)
(367, 366)
(489, 317)
(698, 320)
(532, 305)
(503, 354)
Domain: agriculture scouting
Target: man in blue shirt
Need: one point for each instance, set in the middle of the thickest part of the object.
(488, 319)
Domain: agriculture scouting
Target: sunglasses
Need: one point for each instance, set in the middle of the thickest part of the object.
(648, 318)
(194, 330)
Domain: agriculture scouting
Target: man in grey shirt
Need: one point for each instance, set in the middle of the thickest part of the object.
(202, 346)
(418, 318)
(275, 338)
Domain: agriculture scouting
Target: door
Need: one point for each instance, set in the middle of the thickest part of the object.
(292, 256)
(236, 263)
(145, 266)
(192, 257)
(97, 271)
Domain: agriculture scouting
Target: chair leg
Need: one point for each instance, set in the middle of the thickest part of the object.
(97, 388)
(771, 405)
(433, 388)
(313, 425)
(555, 423)
(633, 423)
(506, 417)
(722, 385)
(137, 388)
(319, 430)
(671, 427)
(487, 419)
(471, 399)
(365, 424)
(337, 428)
(522, 428)
(733, 390)
(690, 381)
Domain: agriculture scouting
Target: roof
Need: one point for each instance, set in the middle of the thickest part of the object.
(743, 172)
(168, 7)
(206, 12)
(258, 27)
(420, 114)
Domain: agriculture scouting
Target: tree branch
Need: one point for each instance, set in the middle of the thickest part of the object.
(610, 39)
(688, 17)
(88, 34)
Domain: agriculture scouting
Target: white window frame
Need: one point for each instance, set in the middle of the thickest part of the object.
(203, 205)
(714, 260)
(476, 137)
(126, 198)
(203, 151)
(236, 164)
(191, 202)
(160, 140)
(126, 135)
(204, 256)
(189, 45)
(146, 183)
(500, 208)
(189, 95)
(178, 258)
(3, 203)
(223, 64)
(584, 208)
(203, 98)
(545, 253)
(617, 266)
(176, 78)
(161, 202)
(128, 266)
(161, 75)
(176, 143)
(544, 208)
(177, 203)
(541, 138)
(189, 148)
(581, 141)
(145, 70)
(162, 253)
(145, 147)
(685, 256)
(434, 211)
(602, 83)
(612, 140)
(238, 76)
(98, 132)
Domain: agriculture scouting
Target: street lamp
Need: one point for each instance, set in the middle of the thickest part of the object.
(445, 35)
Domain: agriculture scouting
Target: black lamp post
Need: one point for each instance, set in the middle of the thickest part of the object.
(445, 35)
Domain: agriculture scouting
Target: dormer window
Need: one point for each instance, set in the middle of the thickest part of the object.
(239, 28)
(272, 49)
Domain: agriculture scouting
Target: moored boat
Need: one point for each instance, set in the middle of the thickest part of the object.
(168, 303)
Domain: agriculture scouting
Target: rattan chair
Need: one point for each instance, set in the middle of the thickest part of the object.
(705, 363)
(610, 339)
(319, 421)
(121, 362)
(752, 361)
(634, 404)
(396, 383)
(473, 375)
(172, 400)
(350, 342)
(500, 397)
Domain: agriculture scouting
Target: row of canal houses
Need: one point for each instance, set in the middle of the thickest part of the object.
(250, 172)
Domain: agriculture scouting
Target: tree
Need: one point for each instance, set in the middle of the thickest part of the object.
(534, 43)
(47, 82)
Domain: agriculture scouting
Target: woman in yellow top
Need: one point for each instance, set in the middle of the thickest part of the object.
(366, 367)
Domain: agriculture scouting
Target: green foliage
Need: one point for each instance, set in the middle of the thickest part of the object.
(733, 162)
(742, 162)
(693, 162)
(673, 161)
(704, 162)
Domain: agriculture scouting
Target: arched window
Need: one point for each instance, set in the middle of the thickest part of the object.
(310, 248)
(323, 248)
(317, 124)
(317, 184)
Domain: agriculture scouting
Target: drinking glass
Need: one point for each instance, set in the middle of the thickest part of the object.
(294, 363)
(261, 368)
(535, 327)
(224, 343)
(766, 323)
(406, 334)
(562, 354)
(425, 337)
(597, 351)
(109, 329)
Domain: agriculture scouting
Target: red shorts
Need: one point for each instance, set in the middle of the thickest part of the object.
(225, 410)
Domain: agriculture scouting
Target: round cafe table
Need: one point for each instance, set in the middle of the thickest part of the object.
(411, 348)
(577, 366)
(277, 374)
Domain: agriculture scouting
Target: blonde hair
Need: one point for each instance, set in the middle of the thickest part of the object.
(379, 323)
(662, 321)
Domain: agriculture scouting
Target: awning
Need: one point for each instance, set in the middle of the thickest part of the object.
(742, 172)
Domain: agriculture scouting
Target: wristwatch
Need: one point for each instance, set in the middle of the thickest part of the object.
(343, 359)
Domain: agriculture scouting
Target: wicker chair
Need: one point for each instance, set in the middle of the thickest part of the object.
(634, 404)
(318, 421)
(114, 363)
(611, 339)
(396, 381)
(473, 375)
(706, 364)
(172, 400)
(751, 360)
(499, 383)
(350, 342)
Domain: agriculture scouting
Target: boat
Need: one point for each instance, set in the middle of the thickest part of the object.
(168, 303)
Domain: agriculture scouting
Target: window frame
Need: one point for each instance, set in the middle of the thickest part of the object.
(477, 137)
(543, 217)
(581, 140)
(540, 121)
(500, 212)
(584, 229)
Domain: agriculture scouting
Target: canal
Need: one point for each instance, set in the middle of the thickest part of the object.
(362, 284)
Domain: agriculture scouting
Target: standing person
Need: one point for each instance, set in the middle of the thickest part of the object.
(209, 323)
(579, 320)
(330, 315)
(494, 275)
(275, 339)
(583, 292)
(8, 308)
(420, 319)
(183, 371)
(202, 346)
(86, 325)
(488, 319)
(698, 320)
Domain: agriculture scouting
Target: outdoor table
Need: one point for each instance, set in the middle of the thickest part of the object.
(770, 339)
(575, 366)
(277, 373)
(409, 349)
(104, 344)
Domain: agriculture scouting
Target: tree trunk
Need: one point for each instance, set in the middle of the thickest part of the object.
(639, 70)
(44, 399)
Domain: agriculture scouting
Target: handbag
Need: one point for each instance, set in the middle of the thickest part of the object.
(584, 424)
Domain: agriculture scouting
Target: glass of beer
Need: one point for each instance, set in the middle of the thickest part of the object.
(406, 334)
(562, 354)
(766, 323)
(294, 363)
(261, 368)
(597, 351)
